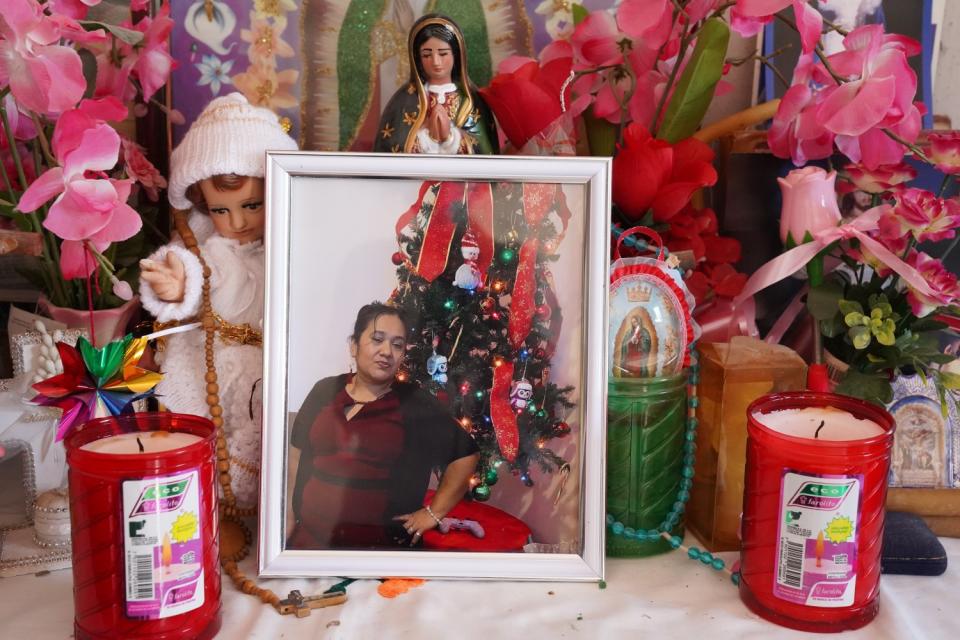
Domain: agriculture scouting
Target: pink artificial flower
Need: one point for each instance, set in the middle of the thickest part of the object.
(647, 22)
(76, 9)
(878, 95)
(697, 10)
(878, 180)
(943, 283)
(149, 61)
(632, 47)
(748, 13)
(87, 209)
(154, 63)
(809, 204)
(944, 151)
(795, 132)
(44, 76)
(922, 214)
(142, 170)
(20, 123)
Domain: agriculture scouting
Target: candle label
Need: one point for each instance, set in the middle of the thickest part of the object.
(817, 539)
(162, 547)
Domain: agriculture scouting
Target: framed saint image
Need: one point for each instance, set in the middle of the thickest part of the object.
(435, 366)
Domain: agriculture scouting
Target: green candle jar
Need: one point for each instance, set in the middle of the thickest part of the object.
(646, 419)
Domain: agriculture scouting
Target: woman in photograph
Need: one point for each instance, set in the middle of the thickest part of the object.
(439, 110)
(364, 446)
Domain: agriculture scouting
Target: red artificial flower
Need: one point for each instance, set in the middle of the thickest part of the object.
(526, 96)
(653, 174)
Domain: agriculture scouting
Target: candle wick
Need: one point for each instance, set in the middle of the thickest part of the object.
(140, 444)
(816, 434)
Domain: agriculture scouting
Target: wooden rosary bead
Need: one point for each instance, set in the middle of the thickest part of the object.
(223, 466)
(217, 421)
(211, 376)
(212, 399)
(216, 411)
(213, 388)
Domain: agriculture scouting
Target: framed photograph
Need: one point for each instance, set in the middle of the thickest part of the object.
(435, 366)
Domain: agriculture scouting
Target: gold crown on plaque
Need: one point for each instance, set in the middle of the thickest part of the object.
(639, 293)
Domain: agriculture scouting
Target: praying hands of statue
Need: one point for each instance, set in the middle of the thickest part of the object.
(438, 123)
(167, 278)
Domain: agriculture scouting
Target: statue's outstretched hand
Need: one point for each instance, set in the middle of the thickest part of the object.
(167, 278)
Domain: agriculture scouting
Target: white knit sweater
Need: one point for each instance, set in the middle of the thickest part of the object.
(236, 293)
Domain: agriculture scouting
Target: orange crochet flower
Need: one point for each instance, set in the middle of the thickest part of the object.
(393, 587)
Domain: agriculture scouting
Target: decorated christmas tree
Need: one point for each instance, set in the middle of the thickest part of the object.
(474, 278)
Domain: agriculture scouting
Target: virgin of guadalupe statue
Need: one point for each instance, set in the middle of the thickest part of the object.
(438, 110)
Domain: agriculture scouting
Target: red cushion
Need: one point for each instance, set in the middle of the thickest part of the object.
(502, 532)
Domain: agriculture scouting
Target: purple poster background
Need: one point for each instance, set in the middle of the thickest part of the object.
(214, 59)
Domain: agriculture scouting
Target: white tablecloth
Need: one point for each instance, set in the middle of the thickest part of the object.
(667, 596)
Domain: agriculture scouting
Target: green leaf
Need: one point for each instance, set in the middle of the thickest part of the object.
(697, 83)
(873, 387)
(579, 12)
(950, 380)
(601, 134)
(927, 324)
(130, 36)
(823, 301)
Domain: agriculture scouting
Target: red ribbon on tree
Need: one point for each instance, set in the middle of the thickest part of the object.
(439, 232)
(538, 199)
(411, 213)
(502, 414)
(480, 215)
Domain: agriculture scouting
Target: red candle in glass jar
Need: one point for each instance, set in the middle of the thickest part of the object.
(813, 509)
(143, 511)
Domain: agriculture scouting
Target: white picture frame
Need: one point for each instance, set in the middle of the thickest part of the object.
(330, 220)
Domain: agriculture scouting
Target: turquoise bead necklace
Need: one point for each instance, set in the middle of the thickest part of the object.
(683, 494)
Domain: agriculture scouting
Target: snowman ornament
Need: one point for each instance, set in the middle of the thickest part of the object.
(520, 393)
(468, 275)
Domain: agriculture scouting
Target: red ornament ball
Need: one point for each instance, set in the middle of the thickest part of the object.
(397, 258)
(561, 428)
(543, 311)
(540, 353)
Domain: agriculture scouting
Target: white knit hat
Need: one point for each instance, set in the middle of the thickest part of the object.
(229, 136)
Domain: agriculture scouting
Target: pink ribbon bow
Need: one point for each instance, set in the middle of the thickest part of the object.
(789, 262)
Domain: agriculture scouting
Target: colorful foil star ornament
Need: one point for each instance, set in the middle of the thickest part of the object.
(96, 382)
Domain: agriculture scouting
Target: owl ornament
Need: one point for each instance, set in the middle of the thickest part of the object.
(520, 393)
(437, 368)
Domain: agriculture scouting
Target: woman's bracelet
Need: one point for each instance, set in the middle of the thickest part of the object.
(433, 515)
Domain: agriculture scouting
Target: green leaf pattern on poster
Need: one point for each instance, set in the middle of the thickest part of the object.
(354, 69)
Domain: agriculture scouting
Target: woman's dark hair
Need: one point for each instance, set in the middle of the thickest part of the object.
(224, 182)
(370, 312)
(440, 32)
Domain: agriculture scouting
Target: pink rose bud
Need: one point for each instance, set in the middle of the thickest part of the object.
(121, 288)
(809, 204)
